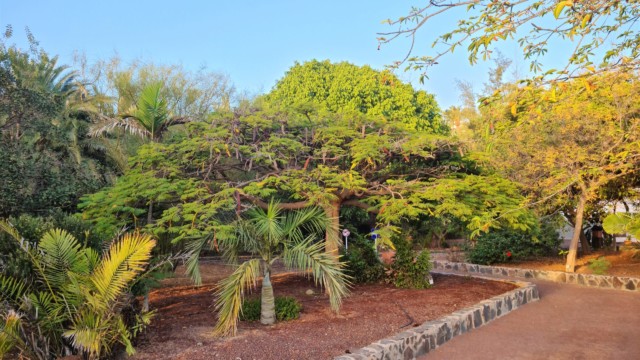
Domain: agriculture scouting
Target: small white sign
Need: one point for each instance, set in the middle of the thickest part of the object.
(346, 232)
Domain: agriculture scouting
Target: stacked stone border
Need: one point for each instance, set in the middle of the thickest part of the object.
(428, 336)
(597, 281)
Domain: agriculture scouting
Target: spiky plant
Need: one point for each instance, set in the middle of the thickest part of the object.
(73, 300)
(149, 118)
(269, 235)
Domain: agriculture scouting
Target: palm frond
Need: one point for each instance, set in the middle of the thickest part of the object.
(231, 294)
(87, 332)
(125, 259)
(309, 220)
(325, 268)
(12, 290)
(194, 247)
(9, 332)
(128, 124)
(61, 256)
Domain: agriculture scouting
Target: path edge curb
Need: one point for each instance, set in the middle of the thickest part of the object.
(421, 340)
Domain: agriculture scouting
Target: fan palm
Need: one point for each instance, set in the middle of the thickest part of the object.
(73, 300)
(270, 235)
(149, 118)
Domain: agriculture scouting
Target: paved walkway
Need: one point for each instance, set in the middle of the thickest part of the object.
(568, 322)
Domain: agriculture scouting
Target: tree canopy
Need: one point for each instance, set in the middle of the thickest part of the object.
(601, 34)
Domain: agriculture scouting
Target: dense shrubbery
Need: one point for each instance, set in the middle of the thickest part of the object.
(75, 300)
(287, 308)
(409, 270)
(14, 262)
(363, 264)
(506, 244)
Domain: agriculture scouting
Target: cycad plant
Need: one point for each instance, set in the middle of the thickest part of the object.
(73, 301)
(295, 237)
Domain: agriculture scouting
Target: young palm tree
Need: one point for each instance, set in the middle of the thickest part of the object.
(296, 237)
(149, 118)
(72, 301)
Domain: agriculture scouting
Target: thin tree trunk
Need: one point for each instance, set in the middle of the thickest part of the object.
(577, 230)
(145, 302)
(267, 302)
(332, 239)
(585, 243)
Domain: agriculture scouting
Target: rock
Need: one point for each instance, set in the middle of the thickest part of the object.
(310, 292)
(199, 343)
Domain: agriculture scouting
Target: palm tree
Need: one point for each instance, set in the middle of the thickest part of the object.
(149, 118)
(73, 300)
(269, 235)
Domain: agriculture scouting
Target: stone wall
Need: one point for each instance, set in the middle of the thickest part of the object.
(428, 336)
(599, 281)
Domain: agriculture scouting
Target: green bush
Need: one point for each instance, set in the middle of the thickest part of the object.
(14, 262)
(409, 270)
(599, 266)
(502, 245)
(362, 262)
(287, 308)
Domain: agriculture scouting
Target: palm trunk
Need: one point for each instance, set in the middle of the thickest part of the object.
(577, 230)
(267, 304)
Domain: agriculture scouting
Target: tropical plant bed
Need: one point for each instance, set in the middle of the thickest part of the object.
(183, 326)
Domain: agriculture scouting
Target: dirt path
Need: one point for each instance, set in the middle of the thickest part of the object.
(569, 322)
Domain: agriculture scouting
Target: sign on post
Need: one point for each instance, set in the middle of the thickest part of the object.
(346, 234)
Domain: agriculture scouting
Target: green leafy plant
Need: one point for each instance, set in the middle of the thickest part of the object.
(599, 266)
(287, 308)
(508, 244)
(270, 235)
(362, 262)
(409, 270)
(73, 300)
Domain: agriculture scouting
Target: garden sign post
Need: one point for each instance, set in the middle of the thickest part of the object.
(346, 234)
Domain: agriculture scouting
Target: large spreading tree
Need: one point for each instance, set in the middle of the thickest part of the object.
(301, 155)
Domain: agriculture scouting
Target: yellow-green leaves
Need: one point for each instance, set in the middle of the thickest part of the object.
(560, 6)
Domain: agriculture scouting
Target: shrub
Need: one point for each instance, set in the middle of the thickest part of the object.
(362, 262)
(409, 270)
(501, 245)
(287, 308)
(599, 266)
(74, 299)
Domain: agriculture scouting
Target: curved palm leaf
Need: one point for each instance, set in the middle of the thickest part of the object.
(125, 259)
(230, 296)
(324, 267)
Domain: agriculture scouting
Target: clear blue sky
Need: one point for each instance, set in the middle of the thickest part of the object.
(254, 42)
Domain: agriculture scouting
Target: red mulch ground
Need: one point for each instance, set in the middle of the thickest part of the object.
(183, 326)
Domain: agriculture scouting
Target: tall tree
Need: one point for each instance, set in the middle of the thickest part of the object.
(566, 144)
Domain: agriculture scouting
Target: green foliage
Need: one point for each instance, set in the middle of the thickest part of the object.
(409, 270)
(343, 88)
(361, 261)
(496, 245)
(269, 235)
(287, 308)
(483, 25)
(14, 262)
(46, 158)
(73, 298)
(599, 266)
(621, 223)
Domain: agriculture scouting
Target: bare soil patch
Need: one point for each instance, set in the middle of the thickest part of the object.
(183, 326)
(623, 263)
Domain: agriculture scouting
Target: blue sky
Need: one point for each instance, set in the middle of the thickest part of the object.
(254, 42)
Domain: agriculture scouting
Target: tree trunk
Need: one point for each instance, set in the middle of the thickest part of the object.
(584, 242)
(267, 302)
(145, 302)
(332, 239)
(577, 230)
